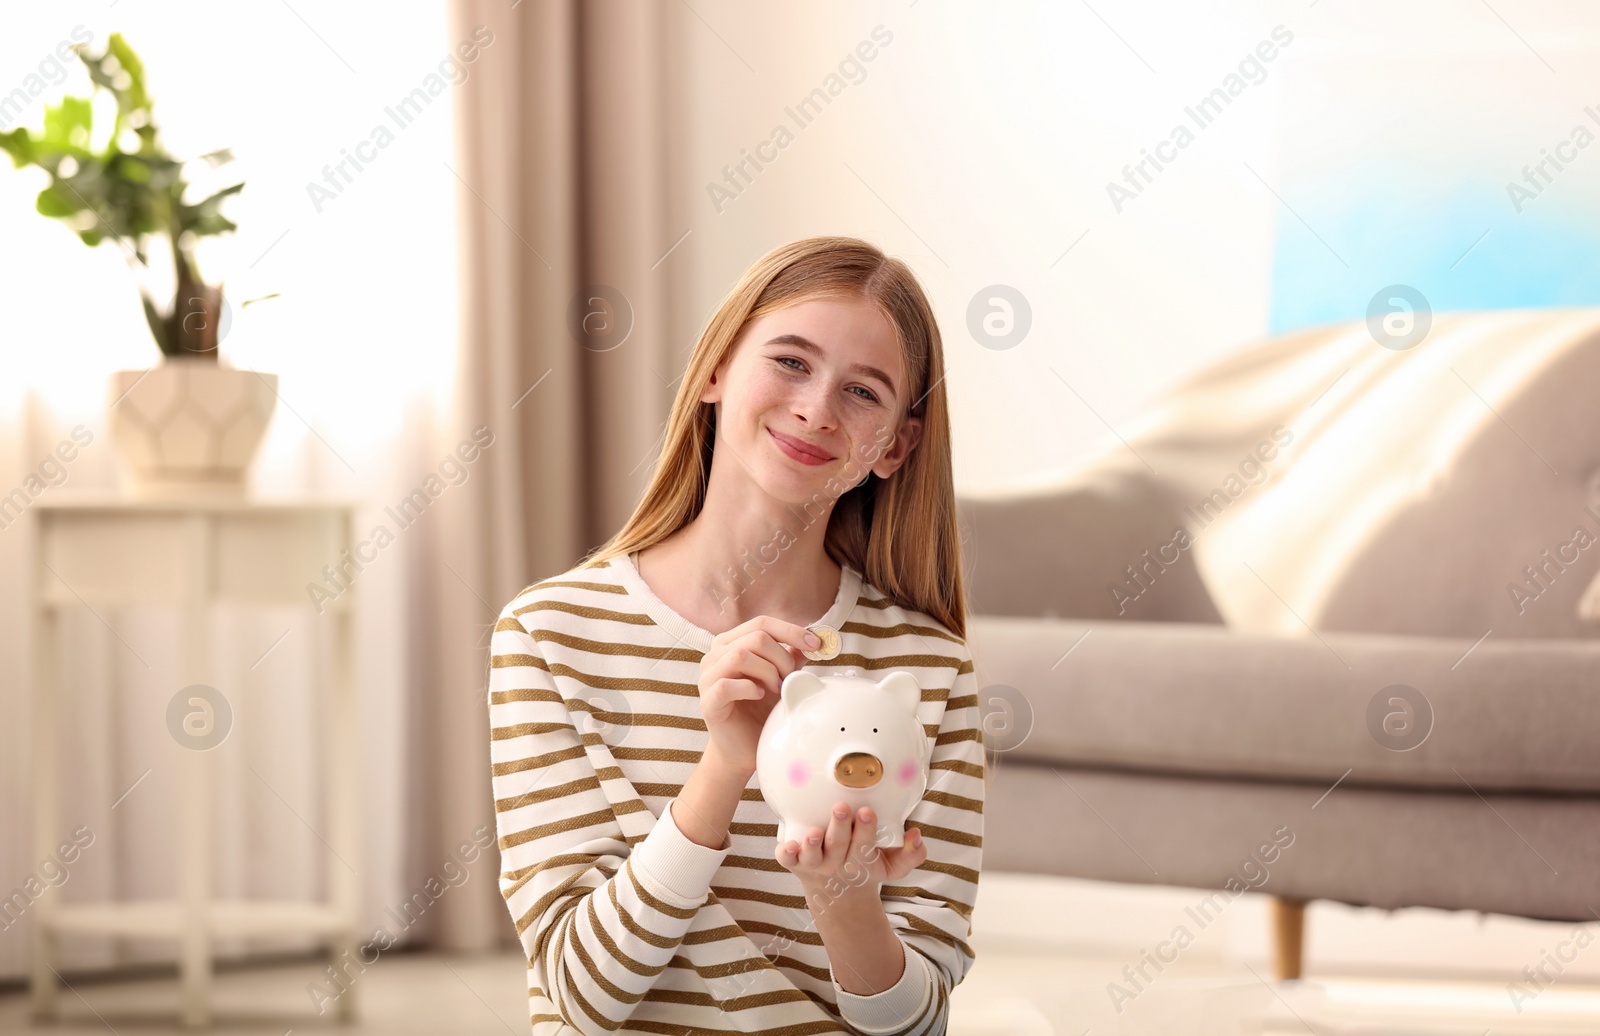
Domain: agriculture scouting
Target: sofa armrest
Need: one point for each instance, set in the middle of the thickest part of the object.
(1084, 548)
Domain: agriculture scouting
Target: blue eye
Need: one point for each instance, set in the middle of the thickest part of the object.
(870, 397)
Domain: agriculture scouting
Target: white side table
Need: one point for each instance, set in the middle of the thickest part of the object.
(96, 548)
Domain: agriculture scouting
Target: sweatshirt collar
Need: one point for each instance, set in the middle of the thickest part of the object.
(686, 632)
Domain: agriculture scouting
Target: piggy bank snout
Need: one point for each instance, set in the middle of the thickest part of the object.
(858, 770)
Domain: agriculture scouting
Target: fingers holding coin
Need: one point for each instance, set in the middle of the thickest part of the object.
(829, 648)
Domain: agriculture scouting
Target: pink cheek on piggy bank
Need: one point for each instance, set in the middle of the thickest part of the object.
(908, 771)
(799, 773)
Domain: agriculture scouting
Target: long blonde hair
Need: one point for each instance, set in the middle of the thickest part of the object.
(900, 533)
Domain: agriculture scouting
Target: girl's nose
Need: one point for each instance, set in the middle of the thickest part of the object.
(815, 407)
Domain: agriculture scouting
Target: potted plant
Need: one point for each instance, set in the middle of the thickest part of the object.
(192, 423)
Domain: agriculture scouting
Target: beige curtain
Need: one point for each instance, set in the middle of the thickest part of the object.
(560, 155)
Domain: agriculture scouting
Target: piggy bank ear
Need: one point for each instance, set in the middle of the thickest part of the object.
(902, 686)
(798, 686)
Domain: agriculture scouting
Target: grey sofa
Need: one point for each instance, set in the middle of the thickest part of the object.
(1337, 645)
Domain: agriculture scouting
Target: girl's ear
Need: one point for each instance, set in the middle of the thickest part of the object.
(712, 393)
(798, 686)
(910, 434)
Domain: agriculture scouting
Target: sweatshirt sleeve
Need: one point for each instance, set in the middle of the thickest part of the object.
(598, 923)
(931, 911)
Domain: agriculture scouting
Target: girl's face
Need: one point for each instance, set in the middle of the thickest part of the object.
(813, 392)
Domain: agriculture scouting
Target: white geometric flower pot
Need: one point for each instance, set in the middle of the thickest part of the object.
(188, 427)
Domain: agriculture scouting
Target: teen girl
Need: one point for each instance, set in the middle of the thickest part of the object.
(805, 481)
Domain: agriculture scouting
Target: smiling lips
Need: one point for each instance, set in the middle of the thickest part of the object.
(799, 449)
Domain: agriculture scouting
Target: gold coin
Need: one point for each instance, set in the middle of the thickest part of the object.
(830, 643)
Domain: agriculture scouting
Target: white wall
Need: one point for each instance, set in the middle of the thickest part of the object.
(979, 145)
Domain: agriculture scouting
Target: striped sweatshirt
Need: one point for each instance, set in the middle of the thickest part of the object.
(628, 925)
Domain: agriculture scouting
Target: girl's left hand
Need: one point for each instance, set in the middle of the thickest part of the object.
(846, 849)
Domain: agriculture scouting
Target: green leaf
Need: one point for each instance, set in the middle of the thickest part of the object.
(19, 146)
(67, 126)
(209, 206)
(130, 168)
(205, 218)
(213, 224)
(259, 298)
(135, 93)
(95, 66)
(57, 201)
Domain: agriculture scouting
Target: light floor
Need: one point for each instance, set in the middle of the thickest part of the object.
(1047, 951)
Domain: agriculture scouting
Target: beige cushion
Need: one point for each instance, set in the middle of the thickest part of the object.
(1199, 699)
(1386, 849)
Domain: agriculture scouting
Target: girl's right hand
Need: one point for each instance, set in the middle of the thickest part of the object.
(741, 680)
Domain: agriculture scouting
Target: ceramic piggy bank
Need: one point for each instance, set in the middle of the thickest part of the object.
(843, 738)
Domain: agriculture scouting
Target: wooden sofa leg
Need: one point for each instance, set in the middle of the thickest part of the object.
(1288, 935)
